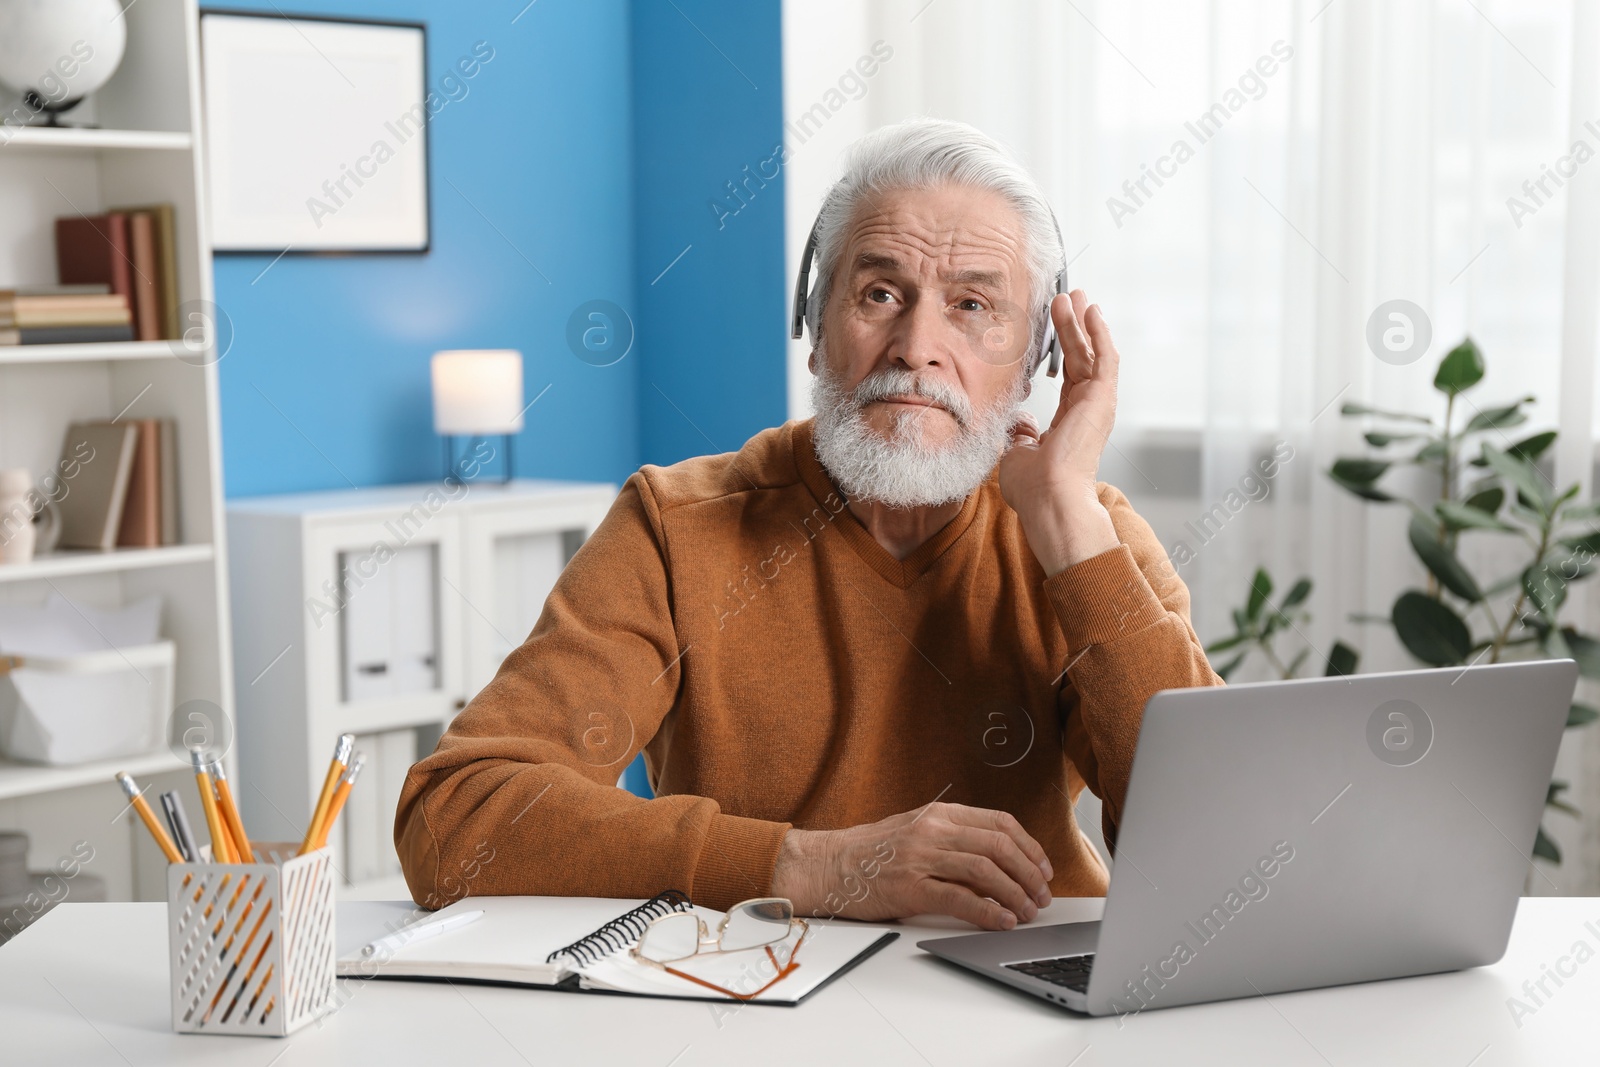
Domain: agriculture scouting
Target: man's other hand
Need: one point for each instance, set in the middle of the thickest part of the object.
(941, 859)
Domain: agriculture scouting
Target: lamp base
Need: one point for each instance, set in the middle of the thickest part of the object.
(454, 468)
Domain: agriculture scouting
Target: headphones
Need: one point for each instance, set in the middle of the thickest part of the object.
(1048, 352)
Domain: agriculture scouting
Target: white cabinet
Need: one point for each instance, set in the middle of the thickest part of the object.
(389, 625)
(374, 612)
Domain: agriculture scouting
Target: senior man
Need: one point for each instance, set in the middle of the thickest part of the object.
(872, 657)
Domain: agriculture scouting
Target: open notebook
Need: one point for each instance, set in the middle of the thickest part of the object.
(581, 944)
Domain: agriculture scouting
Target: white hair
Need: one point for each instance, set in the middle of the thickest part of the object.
(922, 153)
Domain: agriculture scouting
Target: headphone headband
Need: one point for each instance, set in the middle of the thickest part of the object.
(1049, 349)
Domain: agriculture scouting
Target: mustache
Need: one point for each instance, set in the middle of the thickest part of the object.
(897, 381)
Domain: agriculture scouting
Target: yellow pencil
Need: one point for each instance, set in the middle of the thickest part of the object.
(340, 796)
(341, 760)
(221, 846)
(230, 814)
(143, 808)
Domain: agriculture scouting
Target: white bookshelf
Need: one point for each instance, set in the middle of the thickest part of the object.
(147, 149)
(103, 352)
(70, 562)
(45, 137)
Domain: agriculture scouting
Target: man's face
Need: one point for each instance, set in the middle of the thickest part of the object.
(931, 287)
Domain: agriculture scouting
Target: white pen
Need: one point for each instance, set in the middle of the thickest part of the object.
(420, 930)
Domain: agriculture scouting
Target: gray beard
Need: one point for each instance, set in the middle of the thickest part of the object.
(901, 470)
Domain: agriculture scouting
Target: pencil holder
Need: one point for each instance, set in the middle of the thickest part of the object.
(252, 944)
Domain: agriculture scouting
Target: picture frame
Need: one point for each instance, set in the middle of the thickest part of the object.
(316, 133)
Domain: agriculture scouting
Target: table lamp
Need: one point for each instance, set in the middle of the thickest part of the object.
(477, 393)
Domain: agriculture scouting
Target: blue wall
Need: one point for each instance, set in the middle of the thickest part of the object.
(712, 327)
(595, 144)
(594, 141)
(326, 384)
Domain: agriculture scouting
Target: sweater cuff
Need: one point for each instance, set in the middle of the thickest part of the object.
(736, 860)
(1103, 598)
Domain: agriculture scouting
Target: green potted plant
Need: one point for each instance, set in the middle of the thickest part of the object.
(1483, 490)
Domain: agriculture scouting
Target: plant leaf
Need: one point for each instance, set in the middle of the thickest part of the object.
(1428, 453)
(1520, 473)
(1458, 516)
(1356, 469)
(1545, 848)
(1296, 595)
(1581, 512)
(1460, 370)
(1227, 643)
(1231, 666)
(1585, 650)
(1499, 418)
(1588, 543)
(1430, 630)
(1581, 715)
(1553, 798)
(1488, 500)
(1260, 589)
(1546, 589)
(1342, 660)
(1363, 490)
(1531, 448)
(1363, 409)
(1378, 439)
(1441, 561)
(1357, 475)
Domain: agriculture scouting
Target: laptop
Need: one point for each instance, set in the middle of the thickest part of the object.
(1280, 836)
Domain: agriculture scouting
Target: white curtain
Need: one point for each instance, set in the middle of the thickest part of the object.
(1336, 156)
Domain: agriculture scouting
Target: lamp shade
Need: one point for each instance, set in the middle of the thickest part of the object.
(477, 392)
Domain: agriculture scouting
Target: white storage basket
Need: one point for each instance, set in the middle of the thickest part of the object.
(252, 944)
(94, 706)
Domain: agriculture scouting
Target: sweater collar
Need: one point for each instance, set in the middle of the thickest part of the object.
(898, 572)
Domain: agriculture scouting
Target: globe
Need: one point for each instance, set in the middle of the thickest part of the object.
(56, 52)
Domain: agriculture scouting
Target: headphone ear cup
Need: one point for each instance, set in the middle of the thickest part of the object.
(1049, 350)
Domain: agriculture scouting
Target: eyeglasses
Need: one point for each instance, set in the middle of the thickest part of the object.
(759, 923)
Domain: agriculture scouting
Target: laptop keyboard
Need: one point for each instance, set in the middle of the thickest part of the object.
(1069, 971)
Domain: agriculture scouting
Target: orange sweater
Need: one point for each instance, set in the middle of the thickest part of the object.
(779, 668)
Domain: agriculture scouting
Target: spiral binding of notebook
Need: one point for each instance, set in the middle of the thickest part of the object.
(624, 930)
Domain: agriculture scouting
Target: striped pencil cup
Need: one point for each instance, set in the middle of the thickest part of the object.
(252, 944)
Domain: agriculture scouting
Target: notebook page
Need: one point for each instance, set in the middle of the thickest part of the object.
(509, 944)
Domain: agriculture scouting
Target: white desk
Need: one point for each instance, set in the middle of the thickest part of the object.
(87, 985)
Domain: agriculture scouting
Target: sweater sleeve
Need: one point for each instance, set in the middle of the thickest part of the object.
(520, 795)
(1125, 616)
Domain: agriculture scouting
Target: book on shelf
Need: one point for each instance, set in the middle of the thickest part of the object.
(94, 249)
(169, 481)
(146, 296)
(141, 508)
(133, 252)
(100, 457)
(122, 490)
(164, 231)
(82, 289)
(149, 512)
(30, 316)
(65, 335)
